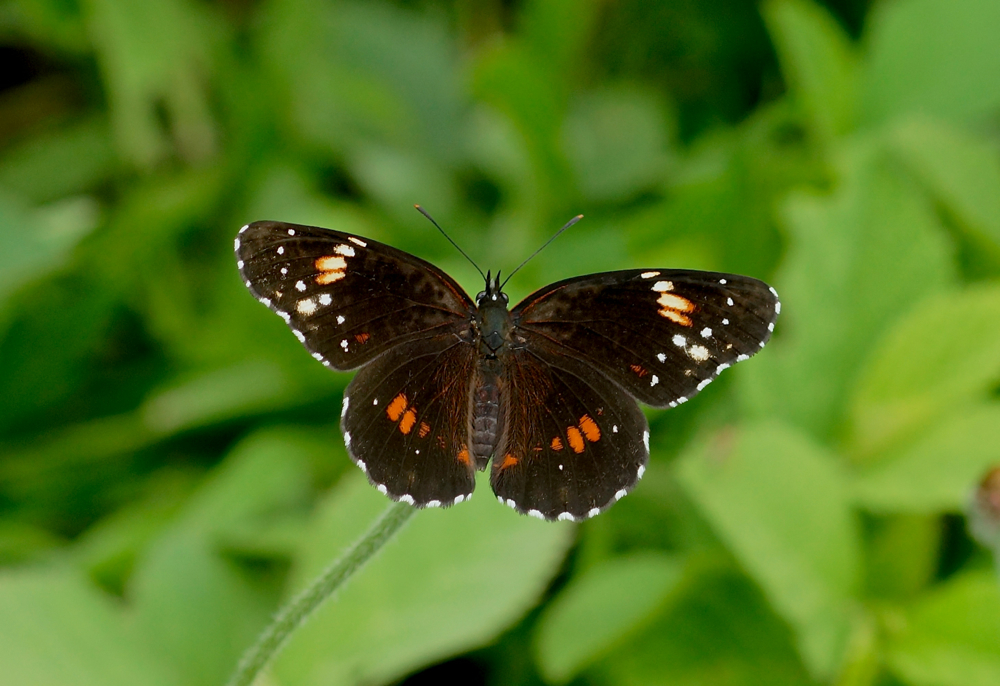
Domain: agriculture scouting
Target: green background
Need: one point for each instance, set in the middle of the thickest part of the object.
(170, 464)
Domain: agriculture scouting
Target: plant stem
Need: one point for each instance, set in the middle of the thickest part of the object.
(298, 610)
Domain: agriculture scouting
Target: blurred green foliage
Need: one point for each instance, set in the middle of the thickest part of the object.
(170, 468)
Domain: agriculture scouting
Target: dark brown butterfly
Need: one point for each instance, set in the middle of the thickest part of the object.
(547, 390)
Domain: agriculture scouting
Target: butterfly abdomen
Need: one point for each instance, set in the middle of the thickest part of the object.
(485, 413)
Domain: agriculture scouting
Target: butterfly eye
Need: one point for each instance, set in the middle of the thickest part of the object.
(480, 295)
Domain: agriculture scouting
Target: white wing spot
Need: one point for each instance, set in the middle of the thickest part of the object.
(299, 335)
(722, 281)
(345, 250)
(284, 271)
(645, 440)
(245, 227)
(357, 241)
(698, 353)
(642, 470)
(247, 283)
(343, 344)
(325, 299)
(770, 326)
(281, 250)
(725, 322)
(649, 275)
(620, 494)
(722, 367)
(706, 332)
(661, 357)
(347, 440)
(560, 468)
(773, 292)
(375, 402)
(317, 357)
(458, 498)
(663, 286)
(777, 307)
(433, 503)
(740, 358)
(681, 400)
(704, 382)
(343, 410)
(236, 244)
(655, 380)
(679, 341)
(729, 301)
(300, 286)
(511, 503)
(416, 452)
(594, 512)
(266, 301)
(565, 517)
(536, 514)
(306, 306)
(239, 264)
(363, 466)
(340, 320)
(382, 489)
(291, 232)
(407, 498)
(614, 429)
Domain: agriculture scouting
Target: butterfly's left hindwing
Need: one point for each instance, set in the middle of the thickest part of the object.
(405, 421)
(347, 299)
(661, 335)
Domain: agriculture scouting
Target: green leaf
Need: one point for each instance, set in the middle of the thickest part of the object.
(449, 582)
(780, 503)
(951, 637)
(617, 140)
(719, 632)
(34, 243)
(959, 168)
(938, 471)
(152, 54)
(818, 62)
(937, 57)
(217, 395)
(58, 630)
(599, 608)
(906, 387)
(856, 259)
(198, 607)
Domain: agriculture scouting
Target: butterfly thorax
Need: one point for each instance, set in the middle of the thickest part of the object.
(494, 326)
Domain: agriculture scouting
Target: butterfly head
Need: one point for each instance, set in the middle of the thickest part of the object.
(493, 292)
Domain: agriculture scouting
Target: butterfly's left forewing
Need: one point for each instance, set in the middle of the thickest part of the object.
(347, 299)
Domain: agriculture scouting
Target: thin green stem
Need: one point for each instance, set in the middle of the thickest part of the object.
(298, 610)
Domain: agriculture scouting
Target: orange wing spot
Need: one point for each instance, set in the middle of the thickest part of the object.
(463, 455)
(575, 439)
(424, 429)
(331, 268)
(537, 449)
(396, 407)
(508, 461)
(556, 444)
(408, 420)
(638, 370)
(590, 428)
(672, 306)
(361, 337)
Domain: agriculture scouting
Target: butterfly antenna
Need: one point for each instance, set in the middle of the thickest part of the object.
(422, 211)
(570, 223)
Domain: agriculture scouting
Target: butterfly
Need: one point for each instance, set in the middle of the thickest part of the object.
(546, 390)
